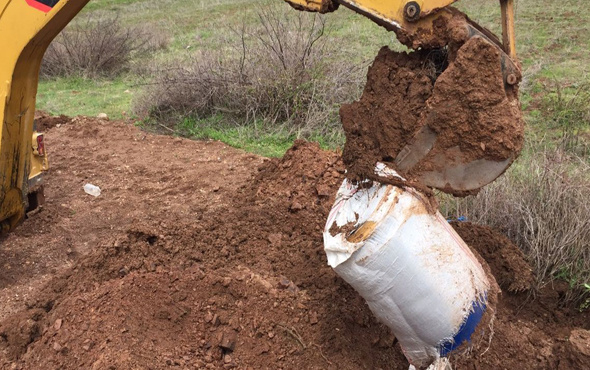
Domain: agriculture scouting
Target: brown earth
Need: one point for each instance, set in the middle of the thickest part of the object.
(44, 121)
(507, 263)
(458, 94)
(197, 255)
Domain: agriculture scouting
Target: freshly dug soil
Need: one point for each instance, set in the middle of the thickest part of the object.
(197, 255)
(459, 94)
(506, 261)
(389, 112)
(44, 121)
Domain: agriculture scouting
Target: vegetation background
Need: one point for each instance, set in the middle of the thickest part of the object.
(257, 75)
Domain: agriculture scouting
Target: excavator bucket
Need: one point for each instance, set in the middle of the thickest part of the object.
(446, 117)
(474, 128)
(450, 171)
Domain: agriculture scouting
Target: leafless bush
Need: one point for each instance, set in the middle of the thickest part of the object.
(280, 71)
(95, 47)
(543, 204)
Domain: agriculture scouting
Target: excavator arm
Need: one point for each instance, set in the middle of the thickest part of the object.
(28, 26)
(416, 23)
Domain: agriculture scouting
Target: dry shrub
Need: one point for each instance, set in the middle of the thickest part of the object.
(96, 47)
(543, 204)
(279, 71)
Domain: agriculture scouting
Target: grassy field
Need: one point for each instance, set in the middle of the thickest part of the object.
(553, 38)
(553, 42)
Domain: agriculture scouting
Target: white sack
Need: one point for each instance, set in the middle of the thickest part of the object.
(416, 274)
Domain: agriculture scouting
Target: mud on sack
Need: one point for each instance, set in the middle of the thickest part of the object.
(416, 274)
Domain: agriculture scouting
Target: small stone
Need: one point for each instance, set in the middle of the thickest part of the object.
(208, 317)
(103, 117)
(296, 206)
(57, 347)
(228, 341)
(284, 283)
(263, 348)
(313, 318)
(57, 324)
(227, 359)
(271, 334)
(580, 340)
(226, 281)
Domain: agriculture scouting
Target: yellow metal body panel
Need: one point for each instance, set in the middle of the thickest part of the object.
(320, 6)
(39, 162)
(392, 11)
(26, 29)
(508, 34)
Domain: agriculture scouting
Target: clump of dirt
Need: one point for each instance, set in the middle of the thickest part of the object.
(447, 29)
(45, 122)
(387, 116)
(305, 172)
(458, 93)
(505, 259)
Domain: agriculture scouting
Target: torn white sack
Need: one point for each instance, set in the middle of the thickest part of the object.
(416, 274)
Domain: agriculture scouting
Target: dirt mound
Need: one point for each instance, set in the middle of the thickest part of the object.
(172, 290)
(45, 122)
(197, 255)
(506, 261)
(458, 94)
(305, 178)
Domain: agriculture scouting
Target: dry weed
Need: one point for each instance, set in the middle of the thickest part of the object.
(97, 47)
(277, 72)
(543, 204)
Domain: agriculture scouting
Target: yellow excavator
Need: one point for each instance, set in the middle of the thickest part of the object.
(28, 26)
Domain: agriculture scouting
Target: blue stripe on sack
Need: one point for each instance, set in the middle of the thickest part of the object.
(467, 328)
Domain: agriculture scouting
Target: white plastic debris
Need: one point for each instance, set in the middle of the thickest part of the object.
(416, 274)
(92, 190)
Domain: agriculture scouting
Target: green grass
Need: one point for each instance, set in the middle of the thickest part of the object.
(78, 96)
(257, 137)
